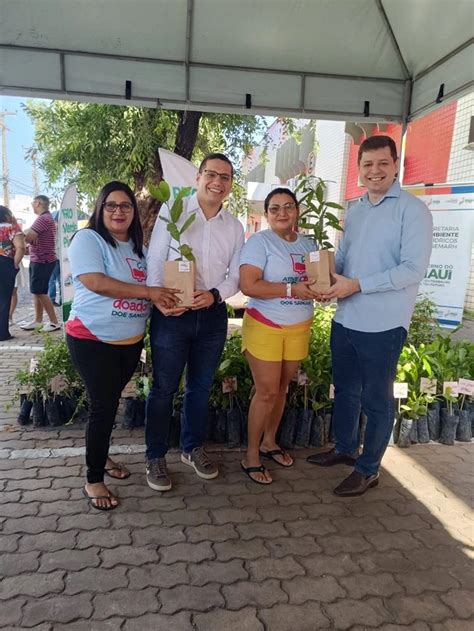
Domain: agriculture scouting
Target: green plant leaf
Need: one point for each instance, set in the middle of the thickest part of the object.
(165, 190)
(173, 230)
(176, 209)
(187, 223)
(158, 192)
(187, 252)
(334, 221)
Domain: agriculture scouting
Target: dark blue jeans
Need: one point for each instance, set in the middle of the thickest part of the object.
(364, 369)
(194, 340)
(55, 278)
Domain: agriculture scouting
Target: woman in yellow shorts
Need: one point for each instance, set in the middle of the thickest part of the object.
(276, 325)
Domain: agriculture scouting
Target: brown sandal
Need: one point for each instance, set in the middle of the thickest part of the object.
(91, 498)
(117, 467)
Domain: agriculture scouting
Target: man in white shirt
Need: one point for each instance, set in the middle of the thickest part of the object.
(193, 338)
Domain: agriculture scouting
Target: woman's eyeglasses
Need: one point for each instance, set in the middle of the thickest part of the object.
(125, 207)
(274, 209)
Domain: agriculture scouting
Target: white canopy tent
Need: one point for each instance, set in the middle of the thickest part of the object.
(382, 60)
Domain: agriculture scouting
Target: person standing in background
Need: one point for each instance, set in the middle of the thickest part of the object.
(41, 239)
(54, 285)
(12, 249)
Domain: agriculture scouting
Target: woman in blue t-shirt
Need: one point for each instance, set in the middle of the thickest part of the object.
(107, 322)
(276, 325)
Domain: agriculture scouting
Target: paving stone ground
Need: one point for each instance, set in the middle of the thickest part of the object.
(228, 554)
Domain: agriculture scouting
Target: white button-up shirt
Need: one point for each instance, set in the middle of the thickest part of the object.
(216, 245)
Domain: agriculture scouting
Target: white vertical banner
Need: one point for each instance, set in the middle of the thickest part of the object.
(67, 226)
(447, 276)
(178, 172)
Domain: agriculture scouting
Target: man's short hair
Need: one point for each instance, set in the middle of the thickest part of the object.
(43, 200)
(378, 142)
(216, 156)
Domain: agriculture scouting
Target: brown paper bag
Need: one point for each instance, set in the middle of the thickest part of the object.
(319, 266)
(181, 275)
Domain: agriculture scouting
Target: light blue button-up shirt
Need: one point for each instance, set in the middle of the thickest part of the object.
(387, 246)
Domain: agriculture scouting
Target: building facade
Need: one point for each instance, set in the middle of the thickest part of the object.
(438, 149)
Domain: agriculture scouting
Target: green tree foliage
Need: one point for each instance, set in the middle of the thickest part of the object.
(90, 144)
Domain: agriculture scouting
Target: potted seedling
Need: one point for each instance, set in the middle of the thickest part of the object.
(179, 273)
(449, 421)
(411, 411)
(50, 389)
(317, 366)
(316, 219)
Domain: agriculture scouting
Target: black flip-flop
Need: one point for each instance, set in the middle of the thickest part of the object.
(270, 455)
(120, 467)
(249, 470)
(91, 498)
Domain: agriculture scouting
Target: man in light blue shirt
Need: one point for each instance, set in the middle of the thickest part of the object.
(382, 258)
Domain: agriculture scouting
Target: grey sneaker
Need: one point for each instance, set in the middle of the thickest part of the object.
(203, 466)
(157, 474)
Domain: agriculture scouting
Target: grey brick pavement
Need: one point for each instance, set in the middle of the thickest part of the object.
(228, 554)
(289, 557)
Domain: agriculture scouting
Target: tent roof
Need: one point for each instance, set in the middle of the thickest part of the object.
(339, 59)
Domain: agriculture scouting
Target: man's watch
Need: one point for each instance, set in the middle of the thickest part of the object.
(216, 295)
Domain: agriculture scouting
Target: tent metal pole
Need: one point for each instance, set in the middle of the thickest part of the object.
(189, 32)
(406, 113)
(303, 92)
(62, 70)
(392, 37)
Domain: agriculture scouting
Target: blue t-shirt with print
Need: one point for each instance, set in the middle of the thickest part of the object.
(281, 262)
(112, 320)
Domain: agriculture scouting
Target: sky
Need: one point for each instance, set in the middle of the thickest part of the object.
(19, 138)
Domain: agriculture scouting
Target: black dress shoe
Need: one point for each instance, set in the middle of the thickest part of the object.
(330, 458)
(356, 484)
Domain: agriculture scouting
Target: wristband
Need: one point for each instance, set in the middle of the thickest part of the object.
(216, 295)
(288, 290)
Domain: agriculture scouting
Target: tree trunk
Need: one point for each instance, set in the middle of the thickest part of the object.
(186, 133)
(186, 136)
(148, 206)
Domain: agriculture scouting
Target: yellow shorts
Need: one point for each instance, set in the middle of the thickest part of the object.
(273, 344)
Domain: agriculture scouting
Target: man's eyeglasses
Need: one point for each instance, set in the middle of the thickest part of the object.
(275, 208)
(212, 175)
(125, 207)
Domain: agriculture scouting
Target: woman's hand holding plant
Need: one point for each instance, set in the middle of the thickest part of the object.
(164, 298)
(302, 290)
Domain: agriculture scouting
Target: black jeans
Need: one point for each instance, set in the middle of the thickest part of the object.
(105, 370)
(7, 283)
